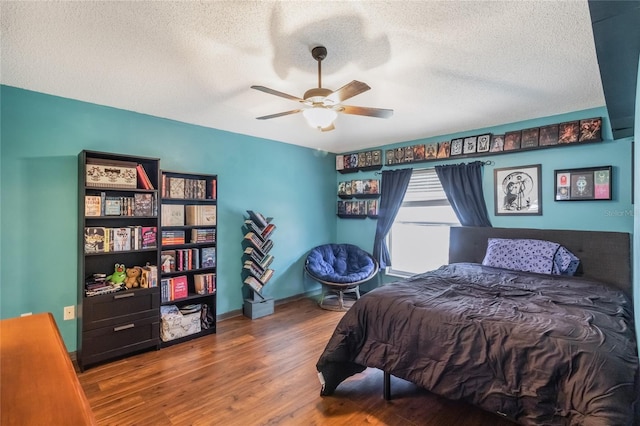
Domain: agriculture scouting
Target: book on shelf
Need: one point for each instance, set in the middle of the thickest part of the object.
(254, 239)
(172, 237)
(195, 189)
(180, 288)
(199, 215)
(110, 173)
(267, 246)
(172, 215)
(255, 254)
(203, 235)
(175, 187)
(251, 226)
(267, 231)
(112, 206)
(208, 257)
(92, 205)
(143, 179)
(149, 277)
(94, 239)
(214, 189)
(205, 283)
(184, 260)
(122, 239)
(168, 261)
(264, 279)
(174, 288)
(143, 204)
(254, 268)
(266, 261)
(259, 219)
(255, 285)
(149, 237)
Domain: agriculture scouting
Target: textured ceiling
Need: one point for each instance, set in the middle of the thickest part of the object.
(443, 67)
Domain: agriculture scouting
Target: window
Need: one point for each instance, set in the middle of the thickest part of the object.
(419, 238)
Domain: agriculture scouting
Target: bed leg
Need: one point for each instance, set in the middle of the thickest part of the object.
(387, 386)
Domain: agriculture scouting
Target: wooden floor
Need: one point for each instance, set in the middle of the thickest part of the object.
(260, 372)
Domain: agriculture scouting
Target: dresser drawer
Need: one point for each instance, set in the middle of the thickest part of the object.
(121, 339)
(118, 308)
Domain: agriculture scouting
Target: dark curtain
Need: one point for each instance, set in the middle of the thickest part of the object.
(394, 185)
(463, 185)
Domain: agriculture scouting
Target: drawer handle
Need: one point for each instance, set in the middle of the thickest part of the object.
(122, 296)
(123, 327)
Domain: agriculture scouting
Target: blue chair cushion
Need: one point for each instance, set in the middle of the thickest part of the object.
(340, 263)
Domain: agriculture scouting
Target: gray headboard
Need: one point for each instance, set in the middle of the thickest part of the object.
(604, 256)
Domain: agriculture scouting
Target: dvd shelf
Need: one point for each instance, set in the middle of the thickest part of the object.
(188, 255)
(257, 261)
(118, 303)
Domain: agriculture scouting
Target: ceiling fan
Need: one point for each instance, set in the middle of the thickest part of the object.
(322, 105)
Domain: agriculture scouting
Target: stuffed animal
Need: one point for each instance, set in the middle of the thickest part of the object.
(118, 275)
(133, 277)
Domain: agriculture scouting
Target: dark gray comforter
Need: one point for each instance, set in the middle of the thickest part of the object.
(538, 349)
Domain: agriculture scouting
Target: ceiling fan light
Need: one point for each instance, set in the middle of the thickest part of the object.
(319, 117)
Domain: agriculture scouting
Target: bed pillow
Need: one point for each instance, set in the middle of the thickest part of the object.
(543, 257)
(565, 262)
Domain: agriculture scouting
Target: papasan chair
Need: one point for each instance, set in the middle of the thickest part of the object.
(340, 268)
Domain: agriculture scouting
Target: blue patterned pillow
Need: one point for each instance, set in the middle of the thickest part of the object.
(565, 262)
(543, 257)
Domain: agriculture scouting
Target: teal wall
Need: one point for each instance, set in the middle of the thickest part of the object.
(615, 215)
(41, 136)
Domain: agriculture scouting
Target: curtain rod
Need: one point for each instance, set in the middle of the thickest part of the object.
(484, 163)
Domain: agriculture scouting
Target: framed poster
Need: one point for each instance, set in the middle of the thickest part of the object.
(518, 191)
(588, 184)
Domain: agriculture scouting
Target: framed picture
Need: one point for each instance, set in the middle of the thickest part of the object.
(549, 135)
(588, 184)
(518, 191)
(418, 152)
(443, 149)
(376, 157)
(431, 150)
(590, 130)
(391, 157)
(512, 140)
(530, 138)
(497, 143)
(456, 147)
(568, 132)
(484, 142)
(470, 145)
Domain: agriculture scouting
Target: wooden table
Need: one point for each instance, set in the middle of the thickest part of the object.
(38, 384)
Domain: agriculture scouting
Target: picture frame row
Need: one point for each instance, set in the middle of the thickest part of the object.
(518, 190)
(359, 160)
(357, 187)
(570, 132)
(361, 208)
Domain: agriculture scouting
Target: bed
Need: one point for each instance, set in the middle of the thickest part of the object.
(535, 348)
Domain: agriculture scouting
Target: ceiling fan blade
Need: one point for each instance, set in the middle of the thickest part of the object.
(281, 94)
(369, 112)
(280, 114)
(328, 128)
(347, 91)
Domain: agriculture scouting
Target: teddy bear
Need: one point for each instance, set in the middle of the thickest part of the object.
(133, 277)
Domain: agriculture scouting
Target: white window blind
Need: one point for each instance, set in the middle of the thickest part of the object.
(424, 186)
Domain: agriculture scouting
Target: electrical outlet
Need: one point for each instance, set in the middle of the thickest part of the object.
(69, 312)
